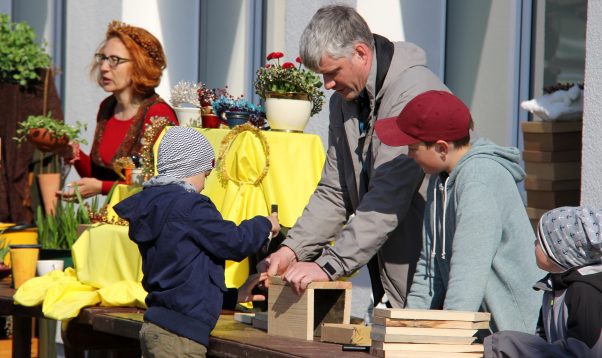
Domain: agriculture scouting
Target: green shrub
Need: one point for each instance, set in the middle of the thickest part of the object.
(20, 55)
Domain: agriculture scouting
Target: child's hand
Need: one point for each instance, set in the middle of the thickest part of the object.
(275, 225)
(245, 293)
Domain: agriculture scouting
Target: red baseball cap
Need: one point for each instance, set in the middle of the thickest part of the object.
(428, 117)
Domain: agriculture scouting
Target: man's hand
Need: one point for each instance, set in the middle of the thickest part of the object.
(277, 263)
(245, 293)
(301, 274)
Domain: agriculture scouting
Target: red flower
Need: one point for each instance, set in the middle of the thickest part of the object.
(271, 56)
(267, 65)
(298, 60)
(288, 65)
(278, 54)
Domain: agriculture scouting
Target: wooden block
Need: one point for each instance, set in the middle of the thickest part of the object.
(554, 156)
(357, 334)
(552, 141)
(302, 316)
(535, 213)
(261, 316)
(458, 348)
(532, 183)
(413, 331)
(422, 354)
(551, 127)
(260, 322)
(434, 315)
(404, 338)
(552, 199)
(388, 322)
(244, 317)
(554, 171)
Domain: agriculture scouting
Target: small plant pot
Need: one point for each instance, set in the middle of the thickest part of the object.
(210, 121)
(233, 119)
(188, 116)
(24, 259)
(50, 183)
(46, 140)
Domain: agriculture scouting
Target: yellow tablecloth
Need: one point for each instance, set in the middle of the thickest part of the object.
(295, 160)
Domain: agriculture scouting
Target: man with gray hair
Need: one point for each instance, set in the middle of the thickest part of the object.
(367, 200)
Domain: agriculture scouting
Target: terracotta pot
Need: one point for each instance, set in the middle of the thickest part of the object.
(45, 140)
(50, 183)
(287, 112)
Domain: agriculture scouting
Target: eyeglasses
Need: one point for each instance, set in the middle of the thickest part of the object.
(114, 61)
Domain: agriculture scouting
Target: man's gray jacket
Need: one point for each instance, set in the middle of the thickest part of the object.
(384, 216)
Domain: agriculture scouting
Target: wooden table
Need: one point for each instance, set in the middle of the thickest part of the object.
(117, 327)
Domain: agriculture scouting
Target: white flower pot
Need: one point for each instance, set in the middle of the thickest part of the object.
(188, 116)
(286, 113)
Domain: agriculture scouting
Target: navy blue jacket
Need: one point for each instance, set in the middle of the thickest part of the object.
(184, 242)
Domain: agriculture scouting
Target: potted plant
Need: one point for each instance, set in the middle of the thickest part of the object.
(236, 111)
(20, 55)
(291, 93)
(185, 101)
(48, 133)
(27, 80)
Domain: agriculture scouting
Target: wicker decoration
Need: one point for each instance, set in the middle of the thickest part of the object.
(151, 131)
(225, 145)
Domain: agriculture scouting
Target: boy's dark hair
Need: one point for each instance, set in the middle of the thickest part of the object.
(460, 142)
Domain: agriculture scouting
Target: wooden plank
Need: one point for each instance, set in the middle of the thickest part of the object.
(327, 285)
(414, 331)
(343, 333)
(550, 142)
(287, 312)
(532, 183)
(554, 171)
(544, 199)
(417, 354)
(403, 338)
(244, 317)
(434, 315)
(551, 156)
(259, 324)
(458, 348)
(388, 322)
(551, 127)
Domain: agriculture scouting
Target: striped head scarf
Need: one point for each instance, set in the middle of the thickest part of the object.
(184, 152)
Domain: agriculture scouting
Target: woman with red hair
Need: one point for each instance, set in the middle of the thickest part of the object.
(128, 64)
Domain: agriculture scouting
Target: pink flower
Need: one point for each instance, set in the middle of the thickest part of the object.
(288, 65)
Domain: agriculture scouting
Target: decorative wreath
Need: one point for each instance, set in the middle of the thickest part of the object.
(148, 139)
(225, 145)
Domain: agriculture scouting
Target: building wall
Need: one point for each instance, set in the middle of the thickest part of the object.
(482, 64)
(591, 190)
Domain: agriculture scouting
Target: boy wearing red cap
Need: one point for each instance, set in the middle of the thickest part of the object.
(477, 239)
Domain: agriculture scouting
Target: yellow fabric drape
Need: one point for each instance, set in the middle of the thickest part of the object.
(108, 272)
(108, 266)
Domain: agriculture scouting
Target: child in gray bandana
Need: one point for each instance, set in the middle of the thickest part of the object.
(568, 246)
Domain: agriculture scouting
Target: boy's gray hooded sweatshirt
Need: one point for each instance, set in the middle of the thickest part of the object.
(488, 264)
